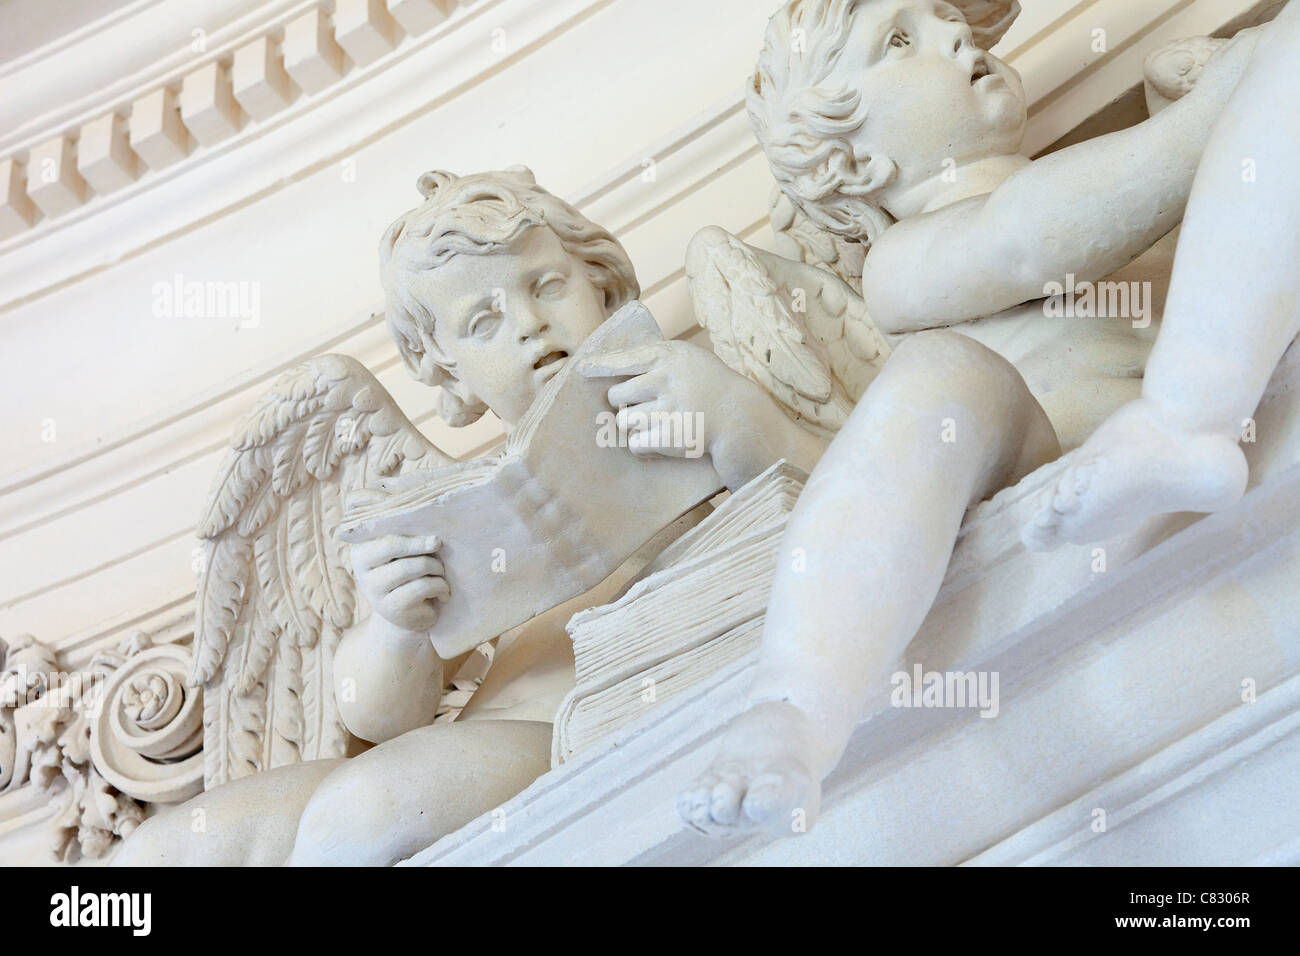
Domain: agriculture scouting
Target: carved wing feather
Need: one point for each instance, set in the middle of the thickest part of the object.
(219, 597)
(318, 561)
(798, 239)
(766, 341)
(796, 330)
(275, 578)
(252, 650)
(290, 722)
(275, 590)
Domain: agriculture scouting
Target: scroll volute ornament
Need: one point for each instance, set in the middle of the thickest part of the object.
(102, 741)
(146, 732)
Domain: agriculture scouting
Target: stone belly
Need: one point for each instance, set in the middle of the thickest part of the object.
(1079, 369)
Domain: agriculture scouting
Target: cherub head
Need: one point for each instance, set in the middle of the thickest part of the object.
(858, 101)
(492, 284)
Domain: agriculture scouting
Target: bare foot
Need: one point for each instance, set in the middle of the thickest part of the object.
(1135, 466)
(762, 778)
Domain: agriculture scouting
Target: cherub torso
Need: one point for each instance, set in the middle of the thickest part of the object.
(1081, 368)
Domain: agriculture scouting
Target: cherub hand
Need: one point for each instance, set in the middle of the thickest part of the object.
(682, 401)
(1205, 67)
(401, 578)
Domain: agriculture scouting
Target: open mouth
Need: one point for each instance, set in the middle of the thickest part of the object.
(980, 72)
(550, 358)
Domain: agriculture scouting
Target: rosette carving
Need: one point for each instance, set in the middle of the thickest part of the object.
(146, 736)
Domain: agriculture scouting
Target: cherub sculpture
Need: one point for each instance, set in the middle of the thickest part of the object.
(887, 122)
(492, 285)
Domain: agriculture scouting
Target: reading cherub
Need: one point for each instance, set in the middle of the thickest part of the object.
(887, 123)
(492, 285)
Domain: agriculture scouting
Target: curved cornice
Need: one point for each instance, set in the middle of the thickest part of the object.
(87, 131)
(94, 67)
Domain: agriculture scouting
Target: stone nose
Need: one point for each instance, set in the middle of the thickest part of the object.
(959, 43)
(528, 323)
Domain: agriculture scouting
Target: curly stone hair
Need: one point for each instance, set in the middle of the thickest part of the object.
(478, 215)
(805, 124)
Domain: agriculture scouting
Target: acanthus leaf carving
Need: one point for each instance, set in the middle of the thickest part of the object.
(99, 742)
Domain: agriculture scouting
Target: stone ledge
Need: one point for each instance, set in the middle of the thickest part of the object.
(1150, 802)
(1099, 673)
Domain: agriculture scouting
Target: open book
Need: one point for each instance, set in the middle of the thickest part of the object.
(698, 608)
(555, 514)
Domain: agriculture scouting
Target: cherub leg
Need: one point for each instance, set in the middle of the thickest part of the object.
(1233, 308)
(406, 793)
(945, 425)
(247, 822)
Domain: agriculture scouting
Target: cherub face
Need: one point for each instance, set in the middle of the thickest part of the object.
(930, 94)
(511, 319)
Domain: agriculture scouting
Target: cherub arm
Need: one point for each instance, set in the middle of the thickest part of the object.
(745, 430)
(388, 680)
(1088, 210)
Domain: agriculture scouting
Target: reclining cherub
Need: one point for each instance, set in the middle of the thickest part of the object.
(492, 284)
(887, 122)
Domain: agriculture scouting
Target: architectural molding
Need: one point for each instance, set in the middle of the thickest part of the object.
(1251, 733)
(1086, 80)
(199, 92)
(208, 158)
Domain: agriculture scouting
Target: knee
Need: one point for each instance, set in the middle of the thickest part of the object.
(954, 363)
(940, 382)
(973, 377)
(348, 821)
(940, 375)
(185, 836)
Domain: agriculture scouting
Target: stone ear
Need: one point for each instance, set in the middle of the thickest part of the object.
(419, 354)
(877, 173)
(457, 405)
(414, 359)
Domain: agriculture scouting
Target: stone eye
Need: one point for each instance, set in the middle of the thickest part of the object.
(898, 39)
(484, 325)
(550, 285)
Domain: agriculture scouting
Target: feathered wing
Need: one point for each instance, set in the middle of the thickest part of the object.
(275, 589)
(795, 329)
(797, 238)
